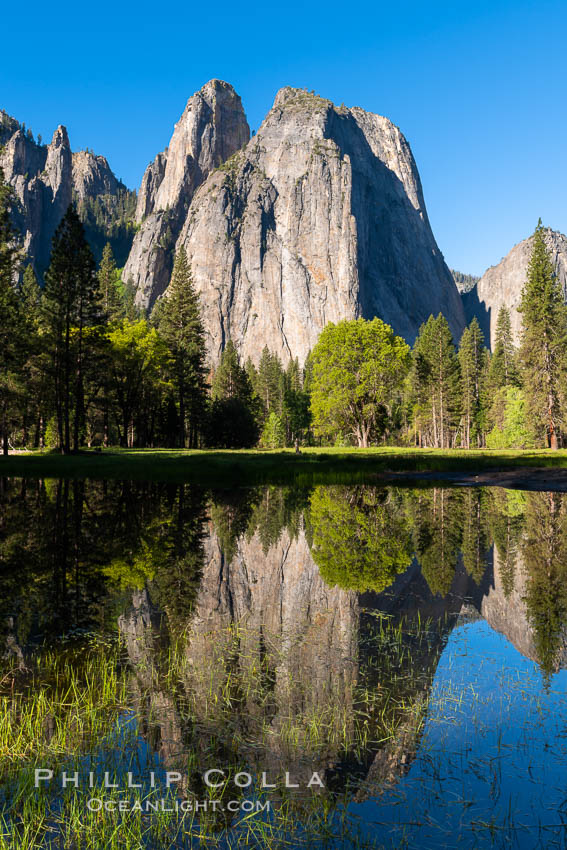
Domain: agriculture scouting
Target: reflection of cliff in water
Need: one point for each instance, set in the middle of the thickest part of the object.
(254, 634)
(290, 654)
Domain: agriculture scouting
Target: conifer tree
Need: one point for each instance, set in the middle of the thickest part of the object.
(180, 325)
(232, 423)
(543, 348)
(472, 360)
(503, 364)
(435, 379)
(112, 303)
(10, 315)
(230, 379)
(270, 386)
(33, 371)
(71, 305)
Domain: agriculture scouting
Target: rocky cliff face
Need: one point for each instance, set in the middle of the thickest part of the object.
(46, 178)
(42, 179)
(212, 127)
(319, 218)
(92, 176)
(501, 285)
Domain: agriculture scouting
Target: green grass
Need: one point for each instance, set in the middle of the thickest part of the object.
(65, 705)
(249, 467)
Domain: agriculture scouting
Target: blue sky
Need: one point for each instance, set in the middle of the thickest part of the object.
(478, 89)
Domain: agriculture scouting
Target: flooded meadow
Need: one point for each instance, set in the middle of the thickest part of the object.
(327, 666)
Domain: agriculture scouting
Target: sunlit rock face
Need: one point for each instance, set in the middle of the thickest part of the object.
(319, 218)
(46, 179)
(213, 126)
(42, 177)
(286, 620)
(502, 285)
(92, 176)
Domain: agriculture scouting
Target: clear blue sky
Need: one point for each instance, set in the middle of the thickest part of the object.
(479, 89)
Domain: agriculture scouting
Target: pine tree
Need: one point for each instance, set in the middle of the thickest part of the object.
(10, 315)
(543, 348)
(108, 283)
(270, 385)
(232, 423)
(435, 380)
(33, 373)
(503, 365)
(230, 379)
(180, 325)
(71, 305)
(472, 360)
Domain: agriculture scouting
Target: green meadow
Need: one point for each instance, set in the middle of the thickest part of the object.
(283, 466)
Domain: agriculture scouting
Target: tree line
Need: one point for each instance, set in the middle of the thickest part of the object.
(368, 387)
(81, 365)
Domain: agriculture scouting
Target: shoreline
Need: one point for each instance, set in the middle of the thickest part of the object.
(527, 470)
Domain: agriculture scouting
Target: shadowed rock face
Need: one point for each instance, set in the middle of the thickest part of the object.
(320, 218)
(502, 285)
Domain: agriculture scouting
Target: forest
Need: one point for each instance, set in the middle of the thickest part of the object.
(82, 367)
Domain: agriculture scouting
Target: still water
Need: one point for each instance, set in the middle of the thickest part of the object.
(355, 666)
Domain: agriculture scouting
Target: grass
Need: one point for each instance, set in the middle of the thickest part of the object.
(63, 713)
(252, 467)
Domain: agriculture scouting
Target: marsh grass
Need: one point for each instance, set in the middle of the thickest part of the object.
(72, 710)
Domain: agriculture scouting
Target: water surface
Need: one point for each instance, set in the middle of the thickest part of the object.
(405, 646)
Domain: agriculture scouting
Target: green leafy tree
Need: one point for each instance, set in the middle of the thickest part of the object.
(273, 433)
(506, 518)
(543, 348)
(361, 538)
(511, 430)
(179, 323)
(137, 361)
(472, 361)
(358, 370)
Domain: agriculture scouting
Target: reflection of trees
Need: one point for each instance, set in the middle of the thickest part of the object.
(506, 519)
(361, 536)
(66, 547)
(545, 554)
(437, 521)
(267, 511)
(476, 543)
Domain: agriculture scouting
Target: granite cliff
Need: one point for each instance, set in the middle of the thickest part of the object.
(47, 178)
(501, 285)
(319, 217)
(213, 126)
